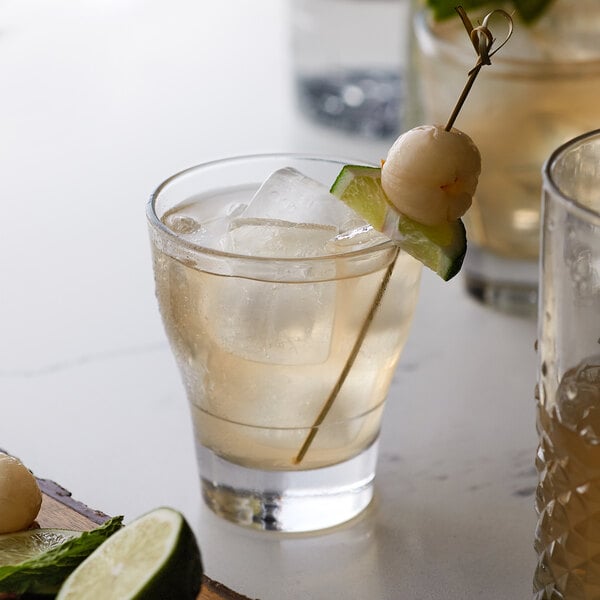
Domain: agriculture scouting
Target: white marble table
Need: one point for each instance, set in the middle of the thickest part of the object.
(100, 101)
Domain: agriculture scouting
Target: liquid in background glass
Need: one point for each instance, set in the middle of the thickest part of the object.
(542, 90)
(567, 537)
(261, 342)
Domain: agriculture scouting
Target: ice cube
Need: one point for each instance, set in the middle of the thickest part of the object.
(290, 216)
(200, 224)
(268, 322)
(288, 195)
(278, 239)
(357, 238)
(182, 224)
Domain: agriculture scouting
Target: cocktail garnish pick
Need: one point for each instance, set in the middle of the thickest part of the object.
(482, 40)
(349, 362)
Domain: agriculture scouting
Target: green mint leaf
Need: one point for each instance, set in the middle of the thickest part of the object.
(531, 10)
(45, 573)
(444, 9)
(528, 10)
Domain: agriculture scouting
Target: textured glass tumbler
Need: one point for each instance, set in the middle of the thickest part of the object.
(541, 90)
(286, 361)
(567, 537)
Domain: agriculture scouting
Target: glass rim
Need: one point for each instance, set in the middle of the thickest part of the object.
(163, 230)
(503, 64)
(549, 184)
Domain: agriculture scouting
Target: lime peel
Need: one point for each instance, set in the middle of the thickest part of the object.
(441, 248)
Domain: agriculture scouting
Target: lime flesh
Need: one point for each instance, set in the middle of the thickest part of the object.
(154, 557)
(38, 561)
(441, 248)
(18, 547)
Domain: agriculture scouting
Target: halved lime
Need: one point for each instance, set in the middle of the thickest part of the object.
(441, 248)
(155, 557)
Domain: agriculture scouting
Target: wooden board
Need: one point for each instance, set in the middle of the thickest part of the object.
(61, 510)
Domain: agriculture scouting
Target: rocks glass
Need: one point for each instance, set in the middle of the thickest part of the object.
(286, 358)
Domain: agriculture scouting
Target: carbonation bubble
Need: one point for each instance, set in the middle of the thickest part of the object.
(182, 224)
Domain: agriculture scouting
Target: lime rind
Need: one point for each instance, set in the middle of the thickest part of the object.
(441, 248)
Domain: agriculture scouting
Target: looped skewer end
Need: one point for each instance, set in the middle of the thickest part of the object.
(482, 39)
(509, 21)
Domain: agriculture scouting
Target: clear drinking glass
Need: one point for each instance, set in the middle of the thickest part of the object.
(286, 361)
(568, 461)
(541, 90)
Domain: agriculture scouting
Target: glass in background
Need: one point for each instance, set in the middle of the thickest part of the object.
(541, 90)
(350, 60)
(568, 460)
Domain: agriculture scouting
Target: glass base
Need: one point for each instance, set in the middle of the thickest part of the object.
(366, 102)
(508, 285)
(288, 501)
